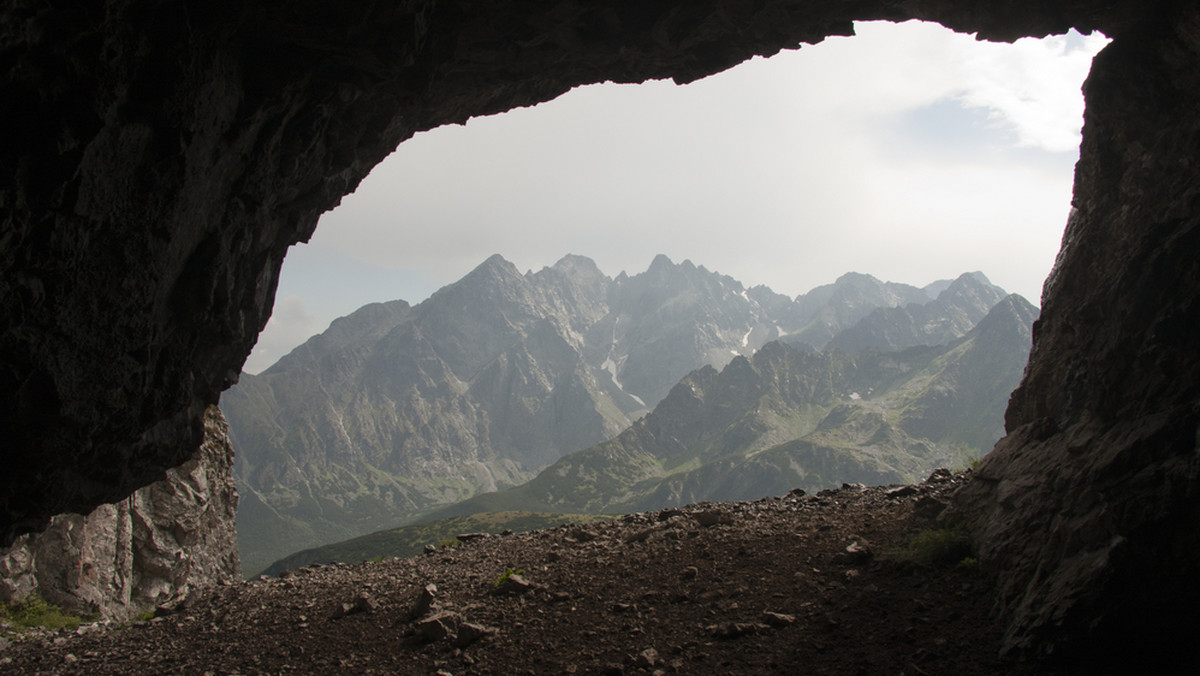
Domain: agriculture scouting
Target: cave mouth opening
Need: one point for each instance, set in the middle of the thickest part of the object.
(786, 171)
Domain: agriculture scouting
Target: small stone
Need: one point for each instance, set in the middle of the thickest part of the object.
(469, 632)
(423, 602)
(901, 492)
(70, 659)
(712, 517)
(732, 630)
(365, 604)
(430, 549)
(647, 659)
(778, 619)
(438, 626)
(513, 584)
(643, 534)
(856, 554)
(689, 573)
(939, 475)
(582, 535)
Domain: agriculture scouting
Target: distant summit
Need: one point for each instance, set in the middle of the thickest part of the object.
(957, 308)
(788, 418)
(396, 410)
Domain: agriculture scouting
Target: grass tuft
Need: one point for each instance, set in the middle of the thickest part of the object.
(507, 574)
(939, 548)
(34, 612)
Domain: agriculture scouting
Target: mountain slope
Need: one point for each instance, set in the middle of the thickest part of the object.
(788, 418)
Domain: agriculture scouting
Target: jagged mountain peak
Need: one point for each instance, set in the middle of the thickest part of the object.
(575, 264)
(496, 265)
(1012, 310)
(935, 288)
(660, 263)
(492, 282)
(972, 284)
(857, 279)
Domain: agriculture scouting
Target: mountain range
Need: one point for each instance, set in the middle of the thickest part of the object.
(396, 410)
(790, 418)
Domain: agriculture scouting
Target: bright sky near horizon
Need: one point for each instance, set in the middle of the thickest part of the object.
(908, 152)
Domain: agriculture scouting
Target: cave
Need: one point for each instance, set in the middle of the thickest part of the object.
(159, 158)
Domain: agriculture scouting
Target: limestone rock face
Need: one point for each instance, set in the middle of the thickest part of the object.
(148, 550)
(1089, 510)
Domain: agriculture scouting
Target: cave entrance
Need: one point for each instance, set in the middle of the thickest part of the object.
(908, 152)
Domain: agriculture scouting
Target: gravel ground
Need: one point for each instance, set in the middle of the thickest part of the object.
(792, 584)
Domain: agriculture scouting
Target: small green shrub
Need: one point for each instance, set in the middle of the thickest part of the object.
(507, 574)
(34, 612)
(449, 542)
(939, 547)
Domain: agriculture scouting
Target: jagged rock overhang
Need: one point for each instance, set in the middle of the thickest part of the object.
(164, 157)
(156, 161)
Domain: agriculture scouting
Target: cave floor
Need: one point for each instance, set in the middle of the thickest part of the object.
(734, 588)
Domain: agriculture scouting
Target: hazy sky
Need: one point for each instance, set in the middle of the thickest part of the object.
(908, 152)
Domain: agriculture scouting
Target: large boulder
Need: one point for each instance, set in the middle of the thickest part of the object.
(149, 550)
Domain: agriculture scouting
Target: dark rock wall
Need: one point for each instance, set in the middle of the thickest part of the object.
(150, 549)
(157, 159)
(1089, 510)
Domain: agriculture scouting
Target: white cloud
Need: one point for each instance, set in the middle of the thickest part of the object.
(1033, 85)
